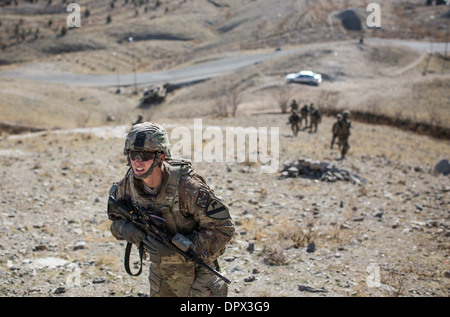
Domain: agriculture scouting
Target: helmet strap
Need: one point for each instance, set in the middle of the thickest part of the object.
(156, 162)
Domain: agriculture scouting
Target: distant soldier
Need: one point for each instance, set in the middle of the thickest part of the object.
(294, 106)
(315, 118)
(304, 113)
(343, 132)
(334, 130)
(138, 120)
(294, 120)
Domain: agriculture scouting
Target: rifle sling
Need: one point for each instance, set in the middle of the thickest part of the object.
(126, 260)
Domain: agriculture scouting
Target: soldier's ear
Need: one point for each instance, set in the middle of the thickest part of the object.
(162, 157)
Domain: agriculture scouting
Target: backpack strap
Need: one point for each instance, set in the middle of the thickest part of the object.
(177, 168)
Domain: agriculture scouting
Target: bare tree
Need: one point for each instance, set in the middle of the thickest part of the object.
(220, 103)
(227, 99)
(282, 96)
(234, 97)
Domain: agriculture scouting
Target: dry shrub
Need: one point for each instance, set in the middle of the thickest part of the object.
(106, 260)
(282, 95)
(275, 255)
(286, 235)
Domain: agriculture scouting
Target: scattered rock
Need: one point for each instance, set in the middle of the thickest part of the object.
(311, 247)
(41, 263)
(304, 288)
(58, 290)
(442, 167)
(322, 170)
(40, 247)
(99, 280)
(80, 245)
(249, 279)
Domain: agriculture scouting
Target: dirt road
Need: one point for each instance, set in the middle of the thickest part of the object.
(226, 64)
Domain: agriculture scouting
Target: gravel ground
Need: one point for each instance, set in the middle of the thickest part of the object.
(294, 236)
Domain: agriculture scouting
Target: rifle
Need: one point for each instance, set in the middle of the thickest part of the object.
(332, 140)
(153, 226)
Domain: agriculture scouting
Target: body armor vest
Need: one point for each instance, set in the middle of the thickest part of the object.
(165, 203)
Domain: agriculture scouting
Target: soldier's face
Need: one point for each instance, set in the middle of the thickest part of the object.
(139, 166)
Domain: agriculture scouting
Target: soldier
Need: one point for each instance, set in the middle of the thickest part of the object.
(173, 190)
(295, 121)
(334, 130)
(138, 120)
(343, 132)
(315, 118)
(294, 105)
(304, 113)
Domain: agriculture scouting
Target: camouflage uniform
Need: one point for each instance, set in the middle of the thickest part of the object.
(294, 120)
(190, 207)
(315, 118)
(334, 130)
(294, 105)
(304, 112)
(138, 120)
(343, 132)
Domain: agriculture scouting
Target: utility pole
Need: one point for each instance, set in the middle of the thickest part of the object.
(117, 73)
(444, 67)
(431, 32)
(279, 33)
(130, 39)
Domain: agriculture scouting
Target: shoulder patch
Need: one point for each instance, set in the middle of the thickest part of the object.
(217, 210)
(202, 198)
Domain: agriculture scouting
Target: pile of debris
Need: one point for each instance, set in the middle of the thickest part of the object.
(321, 170)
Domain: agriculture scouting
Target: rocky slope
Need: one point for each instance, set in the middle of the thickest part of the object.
(295, 236)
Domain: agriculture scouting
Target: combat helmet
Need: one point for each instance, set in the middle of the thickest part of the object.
(346, 114)
(148, 136)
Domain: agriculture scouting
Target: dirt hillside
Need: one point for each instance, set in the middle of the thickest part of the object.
(295, 236)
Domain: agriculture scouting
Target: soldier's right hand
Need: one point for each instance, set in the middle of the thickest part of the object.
(128, 231)
(157, 250)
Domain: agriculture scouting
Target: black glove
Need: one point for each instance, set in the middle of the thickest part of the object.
(128, 231)
(156, 249)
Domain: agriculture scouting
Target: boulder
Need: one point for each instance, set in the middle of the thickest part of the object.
(442, 167)
(350, 20)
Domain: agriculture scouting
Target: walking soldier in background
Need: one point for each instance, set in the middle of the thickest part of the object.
(334, 130)
(294, 105)
(343, 133)
(295, 121)
(315, 118)
(304, 113)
